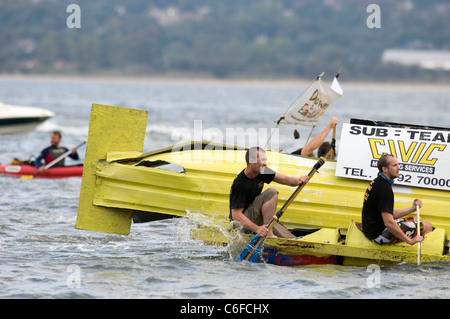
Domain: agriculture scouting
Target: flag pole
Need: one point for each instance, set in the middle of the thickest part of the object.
(336, 90)
(290, 106)
(307, 140)
(273, 130)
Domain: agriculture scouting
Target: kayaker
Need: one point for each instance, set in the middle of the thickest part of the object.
(251, 208)
(381, 223)
(52, 152)
(318, 141)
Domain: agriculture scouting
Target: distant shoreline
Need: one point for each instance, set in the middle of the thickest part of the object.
(205, 81)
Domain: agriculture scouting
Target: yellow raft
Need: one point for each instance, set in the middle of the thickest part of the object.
(196, 177)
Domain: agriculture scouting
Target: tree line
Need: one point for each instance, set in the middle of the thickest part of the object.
(254, 38)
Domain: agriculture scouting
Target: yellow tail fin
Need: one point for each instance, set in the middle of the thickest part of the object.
(111, 128)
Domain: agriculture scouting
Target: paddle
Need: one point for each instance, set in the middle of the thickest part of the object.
(253, 248)
(54, 161)
(419, 248)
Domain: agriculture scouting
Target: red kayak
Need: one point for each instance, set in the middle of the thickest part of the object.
(55, 172)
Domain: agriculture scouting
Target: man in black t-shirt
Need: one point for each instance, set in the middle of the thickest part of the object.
(382, 223)
(251, 208)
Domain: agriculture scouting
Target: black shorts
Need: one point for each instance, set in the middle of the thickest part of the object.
(407, 225)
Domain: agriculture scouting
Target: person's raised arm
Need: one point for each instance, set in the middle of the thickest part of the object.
(319, 138)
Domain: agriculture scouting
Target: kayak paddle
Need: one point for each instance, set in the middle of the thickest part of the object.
(419, 248)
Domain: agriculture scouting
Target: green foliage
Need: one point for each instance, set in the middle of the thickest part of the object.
(224, 38)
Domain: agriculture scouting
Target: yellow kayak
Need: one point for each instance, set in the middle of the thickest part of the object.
(204, 177)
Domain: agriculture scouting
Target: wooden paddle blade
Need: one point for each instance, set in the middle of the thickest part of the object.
(250, 252)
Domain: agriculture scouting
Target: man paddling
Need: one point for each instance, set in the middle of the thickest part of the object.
(382, 223)
(251, 208)
(52, 152)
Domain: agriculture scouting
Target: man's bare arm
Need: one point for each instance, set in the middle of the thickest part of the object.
(289, 180)
(238, 215)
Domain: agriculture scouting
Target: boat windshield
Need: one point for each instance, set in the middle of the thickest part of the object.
(163, 165)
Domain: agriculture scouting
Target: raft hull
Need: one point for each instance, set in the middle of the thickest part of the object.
(203, 186)
(272, 256)
(329, 246)
(52, 173)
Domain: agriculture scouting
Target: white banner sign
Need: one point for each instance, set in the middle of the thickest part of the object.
(423, 155)
(312, 103)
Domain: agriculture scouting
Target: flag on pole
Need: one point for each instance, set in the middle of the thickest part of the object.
(309, 106)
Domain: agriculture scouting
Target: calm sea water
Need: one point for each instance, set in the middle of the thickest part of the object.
(42, 255)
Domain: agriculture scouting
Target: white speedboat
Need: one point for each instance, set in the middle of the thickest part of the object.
(15, 119)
